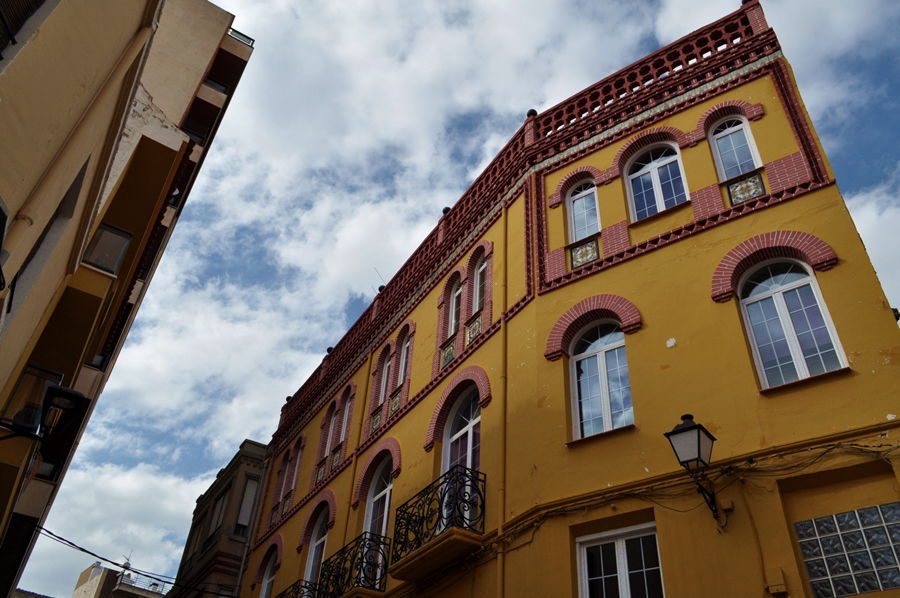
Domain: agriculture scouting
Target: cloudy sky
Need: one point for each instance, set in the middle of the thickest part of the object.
(355, 119)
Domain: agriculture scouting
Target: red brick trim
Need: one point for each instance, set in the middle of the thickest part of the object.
(784, 243)
(570, 180)
(326, 501)
(615, 238)
(460, 382)
(320, 454)
(593, 308)
(707, 202)
(486, 249)
(274, 550)
(387, 445)
(407, 331)
(645, 139)
(729, 108)
(787, 172)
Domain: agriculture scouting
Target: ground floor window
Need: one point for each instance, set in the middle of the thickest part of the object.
(853, 552)
(622, 563)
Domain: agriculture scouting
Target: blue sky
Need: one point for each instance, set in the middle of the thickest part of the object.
(355, 123)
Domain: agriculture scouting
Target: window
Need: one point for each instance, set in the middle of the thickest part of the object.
(584, 218)
(107, 248)
(455, 309)
(852, 552)
(317, 547)
(602, 397)
(242, 526)
(345, 422)
(463, 440)
(623, 563)
(218, 513)
(268, 578)
(733, 148)
(384, 381)
(478, 285)
(791, 334)
(656, 181)
(378, 503)
(403, 362)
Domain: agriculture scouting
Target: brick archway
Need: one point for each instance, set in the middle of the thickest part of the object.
(461, 381)
(599, 306)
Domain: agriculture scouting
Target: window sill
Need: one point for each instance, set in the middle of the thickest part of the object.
(658, 215)
(776, 389)
(586, 439)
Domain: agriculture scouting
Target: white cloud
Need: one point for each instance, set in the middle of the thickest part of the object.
(876, 212)
(115, 512)
(354, 124)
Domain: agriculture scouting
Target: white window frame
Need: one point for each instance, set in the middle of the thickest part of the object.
(784, 318)
(318, 537)
(384, 468)
(384, 383)
(454, 309)
(580, 190)
(619, 536)
(403, 362)
(653, 169)
(268, 578)
(467, 430)
(479, 285)
(332, 420)
(345, 421)
(714, 146)
(604, 379)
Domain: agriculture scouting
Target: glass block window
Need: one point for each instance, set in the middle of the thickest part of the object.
(852, 553)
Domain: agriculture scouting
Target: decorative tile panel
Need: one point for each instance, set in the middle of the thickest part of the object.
(584, 253)
(746, 188)
(448, 351)
(473, 328)
(394, 405)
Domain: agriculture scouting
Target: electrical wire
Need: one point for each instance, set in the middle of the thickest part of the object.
(159, 577)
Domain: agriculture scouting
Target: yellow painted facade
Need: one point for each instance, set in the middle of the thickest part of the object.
(93, 175)
(789, 457)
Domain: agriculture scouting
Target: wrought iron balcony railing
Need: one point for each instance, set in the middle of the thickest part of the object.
(456, 499)
(360, 564)
(301, 589)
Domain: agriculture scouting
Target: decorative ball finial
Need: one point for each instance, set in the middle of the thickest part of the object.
(329, 349)
(445, 210)
(380, 288)
(531, 113)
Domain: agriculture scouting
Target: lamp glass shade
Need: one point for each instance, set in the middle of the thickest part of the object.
(692, 444)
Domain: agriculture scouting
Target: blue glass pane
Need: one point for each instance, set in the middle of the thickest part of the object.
(644, 200)
(672, 186)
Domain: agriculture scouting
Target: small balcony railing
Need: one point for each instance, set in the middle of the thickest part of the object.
(301, 589)
(454, 500)
(360, 564)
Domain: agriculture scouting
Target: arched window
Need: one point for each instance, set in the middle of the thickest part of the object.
(733, 147)
(602, 391)
(656, 181)
(462, 441)
(378, 503)
(384, 379)
(479, 284)
(317, 546)
(403, 359)
(581, 207)
(454, 309)
(268, 576)
(345, 420)
(790, 331)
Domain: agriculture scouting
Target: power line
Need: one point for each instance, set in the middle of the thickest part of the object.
(160, 577)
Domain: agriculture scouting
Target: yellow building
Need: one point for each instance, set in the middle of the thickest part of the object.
(669, 241)
(108, 108)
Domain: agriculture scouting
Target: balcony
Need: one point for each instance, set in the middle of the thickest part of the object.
(358, 569)
(440, 524)
(300, 589)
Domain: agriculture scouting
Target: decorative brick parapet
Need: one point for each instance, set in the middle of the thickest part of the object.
(707, 202)
(586, 311)
(466, 376)
(778, 244)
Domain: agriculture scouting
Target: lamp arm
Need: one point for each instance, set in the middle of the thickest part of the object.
(708, 494)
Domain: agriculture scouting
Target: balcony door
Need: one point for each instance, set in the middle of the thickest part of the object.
(463, 442)
(378, 506)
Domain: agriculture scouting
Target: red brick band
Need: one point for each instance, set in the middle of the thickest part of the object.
(783, 243)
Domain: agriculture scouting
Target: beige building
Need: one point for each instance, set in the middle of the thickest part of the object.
(107, 109)
(216, 545)
(99, 582)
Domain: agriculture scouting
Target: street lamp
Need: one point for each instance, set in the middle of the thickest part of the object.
(693, 444)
